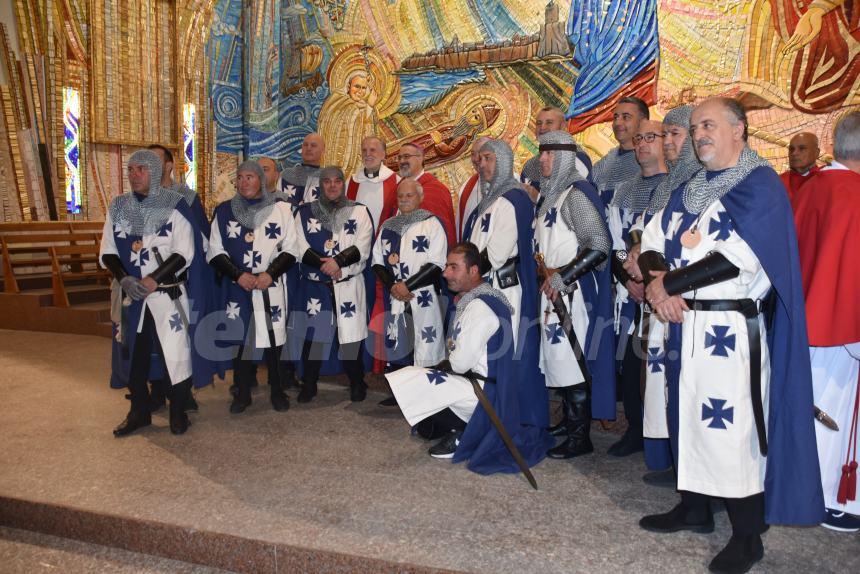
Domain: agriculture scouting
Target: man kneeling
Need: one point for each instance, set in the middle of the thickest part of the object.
(441, 401)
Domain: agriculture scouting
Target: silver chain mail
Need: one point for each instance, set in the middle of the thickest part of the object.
(700, 193)
(531, 169)
(613, 169)
(298, 174)
(580, 215)
(482, 289)
(564, 172)
(332, 214)
(186, 192)
(401, 221)
(145, 217)
(635, 194)
(252, 215)
(503, 178)
(682, 169)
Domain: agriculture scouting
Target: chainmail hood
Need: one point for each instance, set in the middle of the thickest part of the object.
(503, 178)
(298, 174)
(332, 213)
(699, 192)
(564, 172)
(401, 221)
(680, 170)
(146, 216)
(614, 169)
(252, 213)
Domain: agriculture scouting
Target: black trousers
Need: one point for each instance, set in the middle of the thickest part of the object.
(745, 514)
(141, 356)
(350, 357)
(245, 369)
(630, 379)
(439, 424)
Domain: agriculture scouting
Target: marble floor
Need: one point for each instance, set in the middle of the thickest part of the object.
(329, 486)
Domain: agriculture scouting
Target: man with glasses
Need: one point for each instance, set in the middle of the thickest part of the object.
(437, 197)
(630, 201)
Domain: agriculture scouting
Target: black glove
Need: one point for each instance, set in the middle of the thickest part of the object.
(225, 266)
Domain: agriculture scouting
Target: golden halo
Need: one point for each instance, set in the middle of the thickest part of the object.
(350, 60)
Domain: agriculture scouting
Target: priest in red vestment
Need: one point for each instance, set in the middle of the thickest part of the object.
(802, 153)
(437, 197)
(827, 216)
(374, 184)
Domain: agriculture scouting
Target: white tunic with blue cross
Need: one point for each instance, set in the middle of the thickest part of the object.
(252, 250)
(346, 313)
(422, 242)
(707, 360)
(137, 254)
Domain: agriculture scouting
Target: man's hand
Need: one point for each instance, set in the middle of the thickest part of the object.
(247, 281)
(668, 308)
(400, 292)
(149, 283)
(547, 289)
(264, 281)
(635, 290)
(330, 267)
(631, 264)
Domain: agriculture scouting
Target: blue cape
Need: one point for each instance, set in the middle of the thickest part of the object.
(762, 217)
(481, 444)
(600, 346)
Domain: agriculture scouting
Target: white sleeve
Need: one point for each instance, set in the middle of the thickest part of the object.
(288, 243)
(377, 253)
(615, 228)
(301, 243)
(477, 325)
(363, 239)
(739, 253)
(653, 238)
(181, 240)
(503, 243)
(216, 242)
(108, 245)
(438, 244)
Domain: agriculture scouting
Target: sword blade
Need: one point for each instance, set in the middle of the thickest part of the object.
(506, 438)
(824, 419)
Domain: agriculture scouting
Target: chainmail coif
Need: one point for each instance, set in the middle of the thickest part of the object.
(146, 216)
(502, 180)
(682, 169)
(252, 214)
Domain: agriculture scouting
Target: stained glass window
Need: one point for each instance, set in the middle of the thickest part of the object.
(189, 122)
(71, 121)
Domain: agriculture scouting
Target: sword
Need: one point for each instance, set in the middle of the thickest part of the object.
(566, 324)
(270, 327)
(494, 418)
(179, 310)
(824, 418)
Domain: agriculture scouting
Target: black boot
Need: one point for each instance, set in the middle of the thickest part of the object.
(680, 518)
(191, 405)
(739, 555)
(179, 422)
(308, 391)
(630, 443)
(578, 409)
(280, 400)
(242, 398)
(563, 427)
(158, 395)
(357, 391)
(134, 420)
(288, 375)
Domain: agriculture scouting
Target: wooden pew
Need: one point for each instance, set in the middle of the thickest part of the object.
(74, 263)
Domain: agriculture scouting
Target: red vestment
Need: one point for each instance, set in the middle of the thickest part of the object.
(464, 198)
(827, 216)
(437, 200)
(793, 180)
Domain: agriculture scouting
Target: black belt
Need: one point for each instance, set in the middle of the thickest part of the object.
(750, 309)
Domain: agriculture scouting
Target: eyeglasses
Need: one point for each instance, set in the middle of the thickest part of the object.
(406, 156)
(649, 137)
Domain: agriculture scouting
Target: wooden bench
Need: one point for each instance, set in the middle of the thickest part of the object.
(74, 263)
(25, 246)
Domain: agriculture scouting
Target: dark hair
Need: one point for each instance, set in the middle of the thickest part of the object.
(469, 251)
(640, 104)
(735, 108)
(168, 155)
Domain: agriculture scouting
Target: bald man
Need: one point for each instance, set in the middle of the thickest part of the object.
(374, 184)
(468, 200)
(802, 152)
(300, 182)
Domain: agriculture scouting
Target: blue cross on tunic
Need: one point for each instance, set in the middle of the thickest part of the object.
(436, 377)
(720, 340)
(717, 413)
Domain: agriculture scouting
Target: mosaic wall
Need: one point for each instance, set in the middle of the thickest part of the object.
(262, 74)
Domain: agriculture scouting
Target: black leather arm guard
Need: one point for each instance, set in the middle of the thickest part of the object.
(312, 259)
(114, 264)
(713, 268)
(587, 260)
(427, 275)
(225, 266)
(168, 268)
(348, 256)
(384, 274)
(651, 261)
(484, 265)
(617, 266)
(280, 265)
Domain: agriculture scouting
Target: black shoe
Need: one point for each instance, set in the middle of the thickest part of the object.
(675, 521)
(156, 402)
(239, 404)
(308, 392)
(660, 478)
(288, 378)
(561, 429)
(132, 422)
(357, 391)
(739, 555)
(234, 389)
(280, 401)
(572, 446)
(629, 444)
(191, 405)
(446, 447)
(389, 402)
(179, 423)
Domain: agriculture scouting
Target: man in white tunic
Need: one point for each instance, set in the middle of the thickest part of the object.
(300, 183)
(731, 236)
(573, 240)
(147, 242)
(442, 402)
(550, 119)
(827, 212)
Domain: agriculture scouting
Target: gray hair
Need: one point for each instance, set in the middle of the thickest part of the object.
(846, 137)
(418, 187)
(377, 138)
(737, 114)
